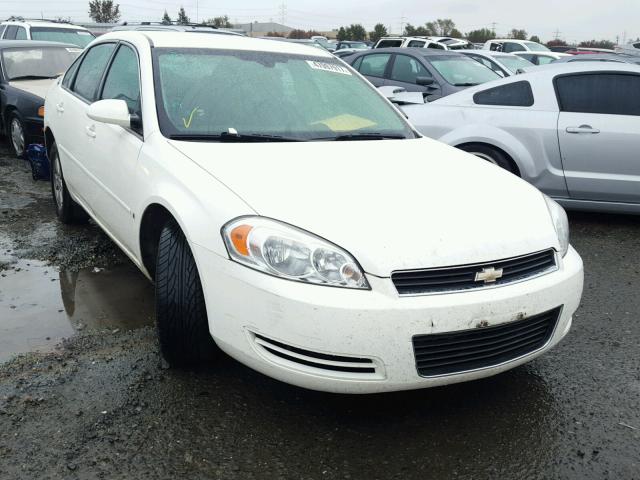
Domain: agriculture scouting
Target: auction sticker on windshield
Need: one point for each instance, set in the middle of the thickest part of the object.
(328, 67)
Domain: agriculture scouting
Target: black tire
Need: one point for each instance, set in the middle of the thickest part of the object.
(181, 314)
(67, 210)
(19, 147)
(492, 155)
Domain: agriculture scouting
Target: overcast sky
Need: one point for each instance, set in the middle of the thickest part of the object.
(575, 19)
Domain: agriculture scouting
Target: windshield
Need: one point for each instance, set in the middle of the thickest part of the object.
(462, 71)
(269, 94)
(536, 47)
(81, 38)
(42, 62)
(513, 63)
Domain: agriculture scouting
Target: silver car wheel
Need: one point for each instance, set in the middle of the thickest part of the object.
(17, 136)
(57, 182)
(486, 157)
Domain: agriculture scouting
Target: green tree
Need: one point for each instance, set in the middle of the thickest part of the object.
(342, 34)
(104, 11)
(480, 36)
(356, 32)
(442, 27)
(598, 44)
(518, 34)
(378, 32)
(166, 19)
(183, 19)
(275, 34)
(535, 38)
(220, 22)
(411, 31)
(455, 33)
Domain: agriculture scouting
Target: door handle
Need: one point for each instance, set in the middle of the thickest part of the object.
(583, 129)
(60, 107)
(91, 131)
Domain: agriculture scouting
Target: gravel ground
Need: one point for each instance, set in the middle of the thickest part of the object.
(102, 405)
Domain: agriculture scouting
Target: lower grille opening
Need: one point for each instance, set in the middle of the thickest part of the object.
(334, 363)
(466, 350)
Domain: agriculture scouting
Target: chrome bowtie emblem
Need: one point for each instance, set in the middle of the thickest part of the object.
(489, 275)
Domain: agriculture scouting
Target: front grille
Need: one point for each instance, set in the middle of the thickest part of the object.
(462, 351)
(451, 279)
(335, 363)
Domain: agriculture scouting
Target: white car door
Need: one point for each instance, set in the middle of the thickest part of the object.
(74, 140)
(599, 135)
(116, 149)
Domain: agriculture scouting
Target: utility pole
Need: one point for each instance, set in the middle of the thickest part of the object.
(557, 34)
(403, 20)
(283, 13)
(197, 11)
(493, 28)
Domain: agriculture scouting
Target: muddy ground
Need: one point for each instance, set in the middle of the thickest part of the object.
(100, 404)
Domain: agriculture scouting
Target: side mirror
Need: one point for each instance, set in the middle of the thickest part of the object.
(113, 112)
(390, 91)
(425, 81)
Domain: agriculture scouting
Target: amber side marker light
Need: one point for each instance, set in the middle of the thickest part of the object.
(41, 112)
(239, 237)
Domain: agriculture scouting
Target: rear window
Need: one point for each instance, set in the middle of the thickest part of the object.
(389, 43)
(81, 38)
(603, 93)
(517, 94)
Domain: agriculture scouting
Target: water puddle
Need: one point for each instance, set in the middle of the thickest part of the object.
(40, 304)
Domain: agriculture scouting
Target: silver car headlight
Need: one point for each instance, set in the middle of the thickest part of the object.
(560, 223)
(288, 252)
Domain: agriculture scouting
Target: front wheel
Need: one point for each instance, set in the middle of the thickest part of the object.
(181, 314)
(67, 210)
(17, 135)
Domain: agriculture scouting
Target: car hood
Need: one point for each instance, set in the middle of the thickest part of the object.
(394, 204)
(37, 87)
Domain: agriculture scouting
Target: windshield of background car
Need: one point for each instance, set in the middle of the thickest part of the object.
(536, 47)
(513, 63)
(43, 62)
(462, 71)
(207, 92)
(81, 38)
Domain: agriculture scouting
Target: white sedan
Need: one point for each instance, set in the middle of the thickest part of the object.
(570, 129)
(288, 213)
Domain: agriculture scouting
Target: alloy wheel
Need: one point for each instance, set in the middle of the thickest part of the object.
(17, 136)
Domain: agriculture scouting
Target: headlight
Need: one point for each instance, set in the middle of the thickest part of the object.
(288, 252)
(560, 222)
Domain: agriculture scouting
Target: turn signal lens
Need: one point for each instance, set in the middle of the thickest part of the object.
(41, 112)
(239, 238)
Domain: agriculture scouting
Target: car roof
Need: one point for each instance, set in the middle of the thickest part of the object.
(488, 53)
(43, 23)
(173, 39)
(424, 52)
(33, 43)
(160, 27)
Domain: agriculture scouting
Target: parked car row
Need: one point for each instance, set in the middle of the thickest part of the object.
(436, 268)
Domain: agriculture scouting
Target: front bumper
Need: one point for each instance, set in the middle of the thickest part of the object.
(33, 130)
(375, 326)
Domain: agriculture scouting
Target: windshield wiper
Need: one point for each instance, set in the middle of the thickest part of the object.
(32, 77)
(468, 84)
(229, 137)
(364, 136)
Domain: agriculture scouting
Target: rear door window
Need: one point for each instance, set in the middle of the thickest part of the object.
(91, 70)
(374, 65)
(416, 43)
(517, 94)
(21, 34)
(603, 93)
(389, 43)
